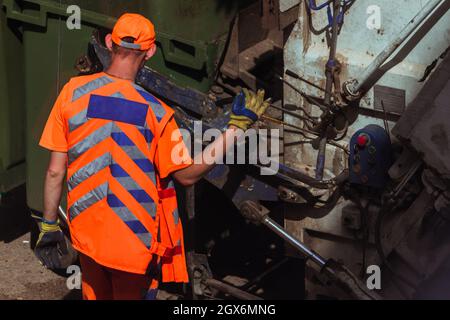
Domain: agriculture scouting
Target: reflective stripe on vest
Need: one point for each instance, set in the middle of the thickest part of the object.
(90, 87)
(79, 119)
(159, 111)
(113, 108)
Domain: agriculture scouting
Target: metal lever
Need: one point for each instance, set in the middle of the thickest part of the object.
(338, 273)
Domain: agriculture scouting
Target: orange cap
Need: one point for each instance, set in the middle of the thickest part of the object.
(136, 26)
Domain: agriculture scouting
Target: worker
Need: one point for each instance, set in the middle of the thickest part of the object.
(113, 139)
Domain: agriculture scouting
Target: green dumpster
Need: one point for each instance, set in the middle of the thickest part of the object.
(12, 106)
(38, 58)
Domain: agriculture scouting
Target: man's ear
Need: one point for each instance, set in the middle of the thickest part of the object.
(150, 52)
(108, 41)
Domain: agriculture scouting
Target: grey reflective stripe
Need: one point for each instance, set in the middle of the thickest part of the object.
(159, 111)
(77, 120)
(126, 216)
(80, 118)
(117, 95)
(134, 153)
(128, 45)
(89, 170)
(90, 86)
(146, 238)
(138, 87)
(176, 216)
(93, 139)
(129, 184)
(150, 207)
(88, 200)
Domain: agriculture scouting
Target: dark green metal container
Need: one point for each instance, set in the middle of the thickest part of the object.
(38, 57)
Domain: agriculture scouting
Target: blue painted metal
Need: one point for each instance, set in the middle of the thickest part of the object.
(369, 164)
(313, 6)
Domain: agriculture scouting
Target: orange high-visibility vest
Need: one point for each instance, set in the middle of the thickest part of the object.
(121, 212)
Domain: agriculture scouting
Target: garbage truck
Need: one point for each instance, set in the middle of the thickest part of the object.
(358, 206)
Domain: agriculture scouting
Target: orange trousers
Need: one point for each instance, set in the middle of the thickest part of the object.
(102, 283)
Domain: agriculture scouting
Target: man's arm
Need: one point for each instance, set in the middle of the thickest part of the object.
(190, 175)
(246, 110)
(54, 184)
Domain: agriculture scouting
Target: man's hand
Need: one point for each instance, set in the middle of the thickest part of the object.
(51, 245)
(247, 108)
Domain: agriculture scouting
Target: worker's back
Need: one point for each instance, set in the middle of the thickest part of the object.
(112, 128)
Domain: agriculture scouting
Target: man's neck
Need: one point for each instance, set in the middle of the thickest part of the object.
(122, 70)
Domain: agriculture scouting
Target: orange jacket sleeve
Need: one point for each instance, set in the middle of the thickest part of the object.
(171, 151)
(54, 137)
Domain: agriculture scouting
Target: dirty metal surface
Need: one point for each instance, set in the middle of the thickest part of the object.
(306, 53)
(426, 123)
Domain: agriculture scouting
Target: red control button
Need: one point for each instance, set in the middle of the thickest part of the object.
(362, 140)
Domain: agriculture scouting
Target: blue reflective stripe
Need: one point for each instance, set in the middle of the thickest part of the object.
(147, 96)
(141, 196)
(117, 109)
(148, 135)
(113, 201)
(117, 171)
(121, 139)
(136, 226)
(129, 219)
(156, 106)
(145, 165)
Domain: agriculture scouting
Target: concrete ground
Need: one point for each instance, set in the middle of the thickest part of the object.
(22, 277)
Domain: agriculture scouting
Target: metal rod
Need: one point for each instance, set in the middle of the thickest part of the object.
(355, 87)
(309, 254)
(308, 98)
(62, 214)
(320, 163)
(298, 77)
(331, 64)
(293, 114)
(303, 130)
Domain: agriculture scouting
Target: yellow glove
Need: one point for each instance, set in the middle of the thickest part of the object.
(247, 108)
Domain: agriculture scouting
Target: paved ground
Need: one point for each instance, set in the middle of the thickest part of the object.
(21, 274)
